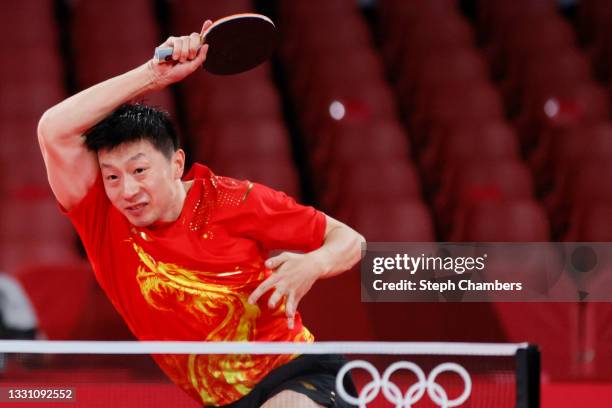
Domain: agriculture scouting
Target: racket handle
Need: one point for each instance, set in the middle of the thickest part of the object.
(163, 53)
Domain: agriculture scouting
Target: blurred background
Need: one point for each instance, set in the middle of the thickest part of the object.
(410, 120)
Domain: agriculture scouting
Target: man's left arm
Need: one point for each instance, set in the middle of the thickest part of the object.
(294, 274)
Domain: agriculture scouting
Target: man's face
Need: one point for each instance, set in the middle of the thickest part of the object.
(141, 182)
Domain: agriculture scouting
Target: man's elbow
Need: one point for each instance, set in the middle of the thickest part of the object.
(44, 130)
(359, 245)
(361, 241)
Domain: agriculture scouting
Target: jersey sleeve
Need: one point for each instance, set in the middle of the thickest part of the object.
(277, 221)
(89, 217)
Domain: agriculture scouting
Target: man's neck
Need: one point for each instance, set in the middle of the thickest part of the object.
(187, 185)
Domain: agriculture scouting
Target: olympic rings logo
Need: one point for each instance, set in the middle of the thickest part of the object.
(414, 393)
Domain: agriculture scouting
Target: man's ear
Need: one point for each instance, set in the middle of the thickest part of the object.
(178, 163)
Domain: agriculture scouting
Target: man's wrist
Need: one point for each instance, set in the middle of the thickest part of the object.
(321, 259)
(153, 80)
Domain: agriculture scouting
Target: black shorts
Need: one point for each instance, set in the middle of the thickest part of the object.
(309, 374)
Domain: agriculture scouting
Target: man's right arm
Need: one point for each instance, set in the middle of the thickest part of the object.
(71, 167)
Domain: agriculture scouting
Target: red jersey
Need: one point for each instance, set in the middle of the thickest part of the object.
(190, 279)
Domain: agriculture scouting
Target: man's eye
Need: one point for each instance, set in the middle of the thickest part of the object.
(111, 177)
(139, 170)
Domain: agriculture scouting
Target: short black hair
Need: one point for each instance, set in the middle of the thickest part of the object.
(132, 123)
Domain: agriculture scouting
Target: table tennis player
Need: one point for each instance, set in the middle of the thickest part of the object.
(186, 257)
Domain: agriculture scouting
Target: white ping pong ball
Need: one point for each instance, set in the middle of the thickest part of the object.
(337, 110)
(551, 108)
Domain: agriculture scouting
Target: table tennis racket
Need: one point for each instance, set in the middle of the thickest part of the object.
(237, 43)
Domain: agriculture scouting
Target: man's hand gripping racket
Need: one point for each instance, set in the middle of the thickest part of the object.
(187, 54)
(237, 44)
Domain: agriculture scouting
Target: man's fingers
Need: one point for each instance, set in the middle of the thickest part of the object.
(262, 288)
(276, 261)
(194, 45)
(169, 42)
(176, 44)
(290, 305)
(206, 26)
(184, 49)
(290, 322)
(290, 308)
(201, 57)
(276, 296)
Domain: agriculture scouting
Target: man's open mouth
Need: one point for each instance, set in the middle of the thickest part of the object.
(136, 209)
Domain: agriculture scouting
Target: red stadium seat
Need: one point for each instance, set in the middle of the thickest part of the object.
(527, 37)
(15, 255)
(600, 52)
(478, 101)
(412, 41)
(332, 33)
(399, 11)
(591, 223)
(135, 34)
(512, 221)
(360, 132)
(188, 15)
(204, 82)
(100, 320)
(467, 184)
(385, 181)
(599, 337)
(22, 178)
(276, 174)
(544, 66)
(395, 221)
(563, 151)
(350, 103)
(85, 315)
(438, 70)
(133, 24)
(323, 300)
(47, 286)
(91, 69)
(38, 16)
(467, 142)
(295, 10)
(357, 143)
(258, 100)
(497, 16)
(40, 63)
(550, 325)
(133, 37)
(560, 106)
(113, 8)
(593, 17)
(44, 221)
(257, 139)
(34, 97)
(583, 186)
(364, 63)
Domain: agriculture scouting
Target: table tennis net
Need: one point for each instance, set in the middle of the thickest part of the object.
(123, 374)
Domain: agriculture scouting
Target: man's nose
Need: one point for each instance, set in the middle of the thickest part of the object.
(130, 188)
